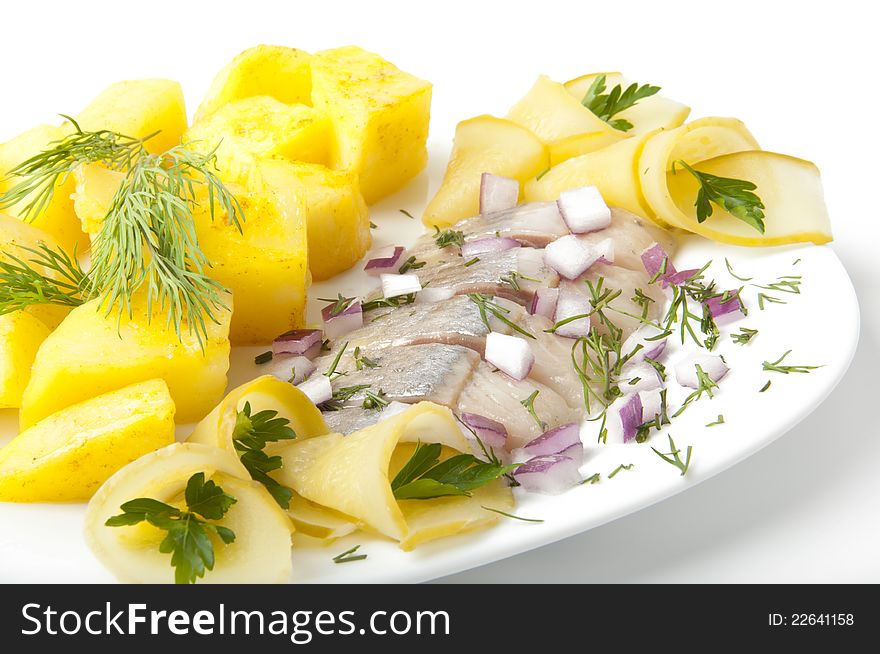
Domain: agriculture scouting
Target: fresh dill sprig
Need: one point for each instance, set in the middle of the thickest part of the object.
(733, 195)
(622, 466)
(486, 305)
(338, 304)
(448, 237)
(471, 262)
(733, 274)
(331, 372)
(349, 555)
(374, 401)
(592, 479)
(606, 106)
(391, 302)
(765, 387)
(744, 336)
(251, 434)
(718, 421)
(407, 214)
(775, 367)
(705, 384)
(529, 404)
(24, 283)
(510, 515)
(673, 457)
(263, 357)
(341, 396)
(362, 361)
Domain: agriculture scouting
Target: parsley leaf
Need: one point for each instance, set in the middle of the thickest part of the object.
(187, 536)
(606, 106)
(250, 436)
(733, 195)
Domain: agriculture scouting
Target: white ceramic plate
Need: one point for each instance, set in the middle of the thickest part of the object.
(44, 543)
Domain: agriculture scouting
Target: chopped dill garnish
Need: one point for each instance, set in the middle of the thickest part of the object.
(765, 386)
(775, 367)
(407, 214)
(349, 555)
(448, 237)
(471, 262)
(486, 306)
(362, 361)
(510, 515)
(718, 421)
(529, 404)
(263, 357)
(744, 336)
(628, 466)
(674, 456)
(411, 264)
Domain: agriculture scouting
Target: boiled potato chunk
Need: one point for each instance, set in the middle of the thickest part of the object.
(138, 108)
(380, 117)
(259, 554)
(654, 112)
(93, 195)
(68, 455)
(259, 127)
(338, 218)
(15, 236)
(484, 144)
(58, 218)
(21, 335)
(273, 70)
(552, 113)
(351, 475)
(790, 189)
(265, 265)
(611, 169)
(93, 352)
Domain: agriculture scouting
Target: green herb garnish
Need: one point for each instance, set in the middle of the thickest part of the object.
(411, 264)
(529, 404)
(263, 357)
(24, 284)
(718, 421)
(471, 262)
(448, 237)
(332, 373)
(705, 384)
(250, 436)
(510, 515)
(674, 456)
(765, 387)
(733, 195)
(622, 466)
(374, 401)
(424, 477)
(187, 536)
(338, 304)
(744, 336)
(775, 367)
(349, 555)
(362, 361)
(592, 479)
(391, 302)
(486, 305)
(606, 106)
(407, 214)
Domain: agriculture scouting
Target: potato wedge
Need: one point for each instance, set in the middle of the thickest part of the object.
(139, 108)
(93, 195)
(273, 70)
(69, 454)
(484, 144)
(338, 218)
(15, 236)
(21, 335)
(265, 265)
(58, 218)
(92, 353)
(380, 117)
(259, 554)
(257, 127)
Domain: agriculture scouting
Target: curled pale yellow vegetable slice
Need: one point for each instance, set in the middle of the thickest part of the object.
(790, 189)
(351, 474)
(654, 112)
(262, 393)
(612, 169)
(318, 521)
(698, 141)
(260, 553)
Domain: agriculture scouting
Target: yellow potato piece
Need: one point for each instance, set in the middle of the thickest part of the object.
(21, 335)
(551, 113)
(351, 475)
(138, 108)
(93, 195)
(338, 218)
(58, 218)
(790, 189)
(258, 127)
(68, 455)
(260, 553)
(16, 235)
(697, 141)
(380, 117)
(484, 144)
(611, 169)
(277, 71)
(654, 112)
(265, 265)
(263, 393)
(91, 353)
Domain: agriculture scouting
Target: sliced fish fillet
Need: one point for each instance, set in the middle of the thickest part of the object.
(631, 235)
(535, 224)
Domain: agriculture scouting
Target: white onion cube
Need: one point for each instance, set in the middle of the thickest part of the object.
(510, 354)
(394, 285)
(584, 210)
(570, 257)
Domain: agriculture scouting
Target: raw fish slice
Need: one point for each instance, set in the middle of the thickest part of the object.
(498, 397)
(348, 421)
(631, 235)
(534, 224)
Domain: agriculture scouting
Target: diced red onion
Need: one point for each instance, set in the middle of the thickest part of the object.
(680, 277)
(299, 342)
(317, 388)
(647, 376)
(479, 246)
(650, 349)
(719, 307)
(344, 322)
(631, 416)
(550, 475)
(395, 285)
(492, 433)
(571, 303)
(652, 405)
(655, 350)
(544, 302)
(605, 248)
(386, 260)
(554, 441)
(574, 452)
(290, 368)
(497, 193)
(584, 210)
(510, 354)
(653, 257)
(433, 294)
(712, 365)
(570, 256)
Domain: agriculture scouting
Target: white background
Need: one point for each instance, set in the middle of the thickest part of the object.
(807, 508)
